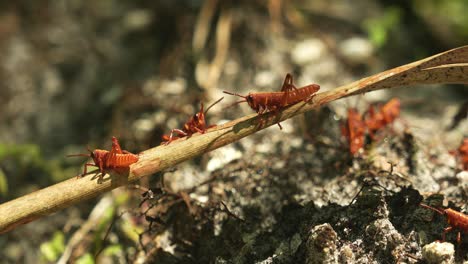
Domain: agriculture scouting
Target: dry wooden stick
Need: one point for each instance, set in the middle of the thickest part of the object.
(447, 67)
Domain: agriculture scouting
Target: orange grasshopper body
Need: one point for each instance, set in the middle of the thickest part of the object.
(273, 101)
(463, 153)
(376, 120)
(455, 219)
(391, 110)
(196, 123)
(354, 130)
(116, 159)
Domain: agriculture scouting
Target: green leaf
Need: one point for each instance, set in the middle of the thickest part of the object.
(52, 249)
(113, 250)
(48, 252)
(379, 28)
(3, 183)
(85, 259)
(58, 242)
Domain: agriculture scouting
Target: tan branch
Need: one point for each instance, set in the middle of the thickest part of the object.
(447, 67)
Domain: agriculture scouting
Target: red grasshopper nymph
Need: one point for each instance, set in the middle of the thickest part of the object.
(196, 123)
(262, 102)
(116, 159)
(455, 219)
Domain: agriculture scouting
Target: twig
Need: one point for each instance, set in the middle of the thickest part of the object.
(109, 228)
(94, 217)
(231, 214)
(447, 67)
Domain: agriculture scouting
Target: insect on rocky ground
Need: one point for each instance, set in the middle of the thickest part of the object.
(455, 219)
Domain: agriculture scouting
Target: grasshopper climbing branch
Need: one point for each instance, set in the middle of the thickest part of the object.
(447, 67)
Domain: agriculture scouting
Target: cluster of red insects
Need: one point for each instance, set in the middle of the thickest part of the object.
(119, 160)
(354, 130)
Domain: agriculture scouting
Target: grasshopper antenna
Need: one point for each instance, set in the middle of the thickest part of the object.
(82, 154)
(238, 102)
(432, 208)
(219, 100)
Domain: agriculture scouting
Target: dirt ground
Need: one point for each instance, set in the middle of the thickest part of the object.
(75, 74)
